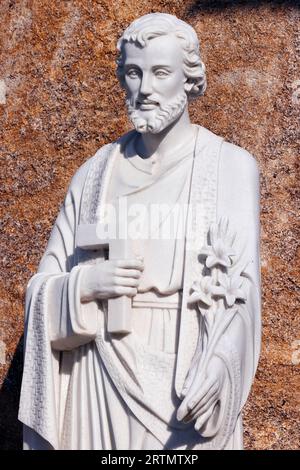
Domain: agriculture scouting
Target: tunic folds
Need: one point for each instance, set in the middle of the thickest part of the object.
(85, 389)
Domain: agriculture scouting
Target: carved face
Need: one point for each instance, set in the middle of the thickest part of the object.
(154, 82)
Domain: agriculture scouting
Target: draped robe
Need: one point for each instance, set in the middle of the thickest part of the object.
(85, 389)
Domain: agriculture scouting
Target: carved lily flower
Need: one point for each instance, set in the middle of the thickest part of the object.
(218, 254)
(202, 291)
(220, 251)
(231, 288)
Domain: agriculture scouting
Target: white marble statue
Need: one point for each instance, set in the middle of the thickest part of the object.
(148, 336)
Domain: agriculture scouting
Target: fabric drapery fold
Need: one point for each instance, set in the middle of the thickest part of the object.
(76, 393)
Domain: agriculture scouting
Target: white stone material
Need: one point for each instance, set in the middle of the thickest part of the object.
(143, 320)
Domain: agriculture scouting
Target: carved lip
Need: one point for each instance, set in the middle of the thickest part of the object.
(147, 104)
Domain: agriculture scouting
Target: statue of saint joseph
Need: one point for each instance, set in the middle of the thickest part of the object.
(148, 340)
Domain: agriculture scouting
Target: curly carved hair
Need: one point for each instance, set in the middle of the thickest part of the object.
(154, 25)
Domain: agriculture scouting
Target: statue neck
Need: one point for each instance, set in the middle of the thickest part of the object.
(178, 135)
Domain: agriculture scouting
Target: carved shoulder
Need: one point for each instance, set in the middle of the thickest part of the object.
(238, 188)
(238, 163)
(79, 176)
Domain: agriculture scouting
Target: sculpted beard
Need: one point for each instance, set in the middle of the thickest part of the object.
(158, 119)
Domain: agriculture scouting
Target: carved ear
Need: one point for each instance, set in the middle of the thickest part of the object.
(188, 85)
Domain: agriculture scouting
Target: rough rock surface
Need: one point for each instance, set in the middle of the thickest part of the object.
(60, 101)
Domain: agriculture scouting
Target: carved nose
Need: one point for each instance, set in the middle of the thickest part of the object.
(145, 86)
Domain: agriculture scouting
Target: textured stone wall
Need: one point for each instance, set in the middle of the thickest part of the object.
(60, 101)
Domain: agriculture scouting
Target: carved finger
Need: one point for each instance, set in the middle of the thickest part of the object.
(194, 385)
(122, 272)
(130, 264)
(209, 388)
(198, 411)
(198, 389)
(202, 419)
(212, 392)
(190, 399)
(126, 281)
(121, 290)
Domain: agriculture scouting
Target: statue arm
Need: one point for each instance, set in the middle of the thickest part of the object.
(220, 394)
(239, 347)
(70, 322)
(239, 191)
(49, 296)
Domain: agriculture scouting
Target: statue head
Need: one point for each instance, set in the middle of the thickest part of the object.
(160, 67)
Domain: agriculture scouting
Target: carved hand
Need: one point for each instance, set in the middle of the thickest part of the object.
(111, 278)
(203, 396)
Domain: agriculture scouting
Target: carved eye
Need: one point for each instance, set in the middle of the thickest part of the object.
(161, 73)
(132, 73)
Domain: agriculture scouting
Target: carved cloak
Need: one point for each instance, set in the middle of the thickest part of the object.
(47, 370)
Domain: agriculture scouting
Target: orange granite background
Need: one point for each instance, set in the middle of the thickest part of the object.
(60, 101)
